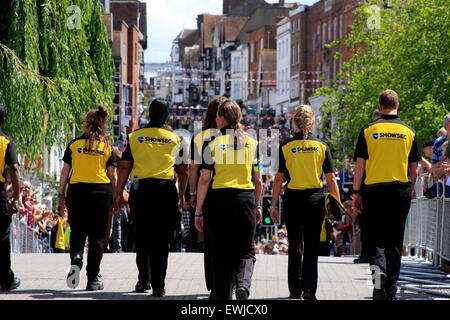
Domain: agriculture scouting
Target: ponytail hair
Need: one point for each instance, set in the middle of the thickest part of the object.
(95, 128)
(210, 116)
(231, 111)
(304, 120)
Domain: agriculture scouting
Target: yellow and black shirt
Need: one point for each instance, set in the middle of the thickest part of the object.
(8, 154)
(197, 143)
(388, 145)
(89, 167)
(153, 151)
(304, 161)
(230, 168)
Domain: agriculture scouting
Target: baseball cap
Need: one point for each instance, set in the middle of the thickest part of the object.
(2, 112)
(429, 143)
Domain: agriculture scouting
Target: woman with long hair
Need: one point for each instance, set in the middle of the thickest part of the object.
(209, 129)
(89, 169)
(303, 159)
(230, 177)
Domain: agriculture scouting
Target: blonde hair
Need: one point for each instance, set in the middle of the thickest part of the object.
(304, 120)
(231, 111)
(441, 132)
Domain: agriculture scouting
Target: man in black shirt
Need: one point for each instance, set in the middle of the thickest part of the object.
(388, 151)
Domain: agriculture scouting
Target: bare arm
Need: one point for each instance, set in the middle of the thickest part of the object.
(193, 177)
(412, 167)
(357, 183)
(112, 175)
(62, 183)
(182, 178)
(332, 184)
(257, 181)
(202, 190)
(125, 168)
(276, 191)
(15, 181)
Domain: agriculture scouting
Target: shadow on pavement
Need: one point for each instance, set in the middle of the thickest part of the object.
(47, 294)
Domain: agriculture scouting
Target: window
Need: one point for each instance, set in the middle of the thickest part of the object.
(298, 52)
(261, 43)
(329, 30)
(335, 29)
(341, 25)
(324, 31)
(293, 55)
(268, 39)
(298, 24)
(252, 52)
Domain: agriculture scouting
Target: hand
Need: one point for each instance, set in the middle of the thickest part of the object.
(193, 201)
(186, 206)
(199, 222)
(339, 225)
(115, 207)
(357, 203)
(119, 202)
(274, 215)
(61, 202)
(258, 215)
(180, 202)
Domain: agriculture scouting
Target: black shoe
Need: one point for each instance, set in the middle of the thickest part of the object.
(378, 294)
(295, 296)
(142, 287)
(158, 292)
(308, 295)
(212, 295)
(73, 277)
(13, 285)
(242, 293)
(362, 259)
(94, 284)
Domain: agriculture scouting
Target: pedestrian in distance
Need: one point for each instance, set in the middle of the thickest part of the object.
(387, 152)
(231, 180)
(304, 159)
(90, 162)
(151, 157)
(8, 156)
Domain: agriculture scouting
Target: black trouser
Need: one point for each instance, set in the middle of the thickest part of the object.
(365, 251)
(386, 208)
(88, 207)
(6, 274)
(207, 249)
(305, 211)
(155, 205)
(231, 225)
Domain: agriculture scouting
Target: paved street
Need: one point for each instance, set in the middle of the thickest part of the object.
(43, 278)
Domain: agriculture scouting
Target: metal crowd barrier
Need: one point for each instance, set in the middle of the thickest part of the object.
(427, 231)
(428, 225)
(24, 239)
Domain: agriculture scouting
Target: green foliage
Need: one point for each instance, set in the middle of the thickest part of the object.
(52, 74)
(408, 53)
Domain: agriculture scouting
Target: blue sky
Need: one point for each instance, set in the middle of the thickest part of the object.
(166, 18)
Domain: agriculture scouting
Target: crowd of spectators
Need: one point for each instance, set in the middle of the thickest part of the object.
(41, 220)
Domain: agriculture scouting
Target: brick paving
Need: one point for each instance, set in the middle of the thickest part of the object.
(43, 278)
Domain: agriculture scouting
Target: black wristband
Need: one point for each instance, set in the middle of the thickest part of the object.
(356, 191)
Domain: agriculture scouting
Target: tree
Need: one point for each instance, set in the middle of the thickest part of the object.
(55, 65)
(403, 48)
